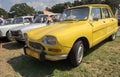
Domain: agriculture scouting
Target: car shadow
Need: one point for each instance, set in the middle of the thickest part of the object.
(12, 45)
(95, 47)
(30, 67)
(3, 40)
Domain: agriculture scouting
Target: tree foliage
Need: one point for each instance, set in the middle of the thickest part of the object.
(3, 12)
(114, 4)
(58, 8)
(22, 9)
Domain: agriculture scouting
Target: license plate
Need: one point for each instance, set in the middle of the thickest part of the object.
(32, 53)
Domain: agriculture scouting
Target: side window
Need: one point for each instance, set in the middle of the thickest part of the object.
(106, 13)
(26, 20)
(96, 13)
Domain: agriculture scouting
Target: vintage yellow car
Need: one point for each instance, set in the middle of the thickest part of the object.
(79, 29)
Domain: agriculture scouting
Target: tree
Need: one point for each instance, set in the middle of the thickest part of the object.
(114, 4)
(22, 9)
(76, 3)
(58, 8)
(47, 8)
(40, 12)
(92, 1)
(4, 13)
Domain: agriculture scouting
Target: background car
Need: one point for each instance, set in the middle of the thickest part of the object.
(18, 21)
(117, 14)
(119, 20)
(17, 33)
(9, 21)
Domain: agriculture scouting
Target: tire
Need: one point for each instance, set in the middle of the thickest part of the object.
(76, 54)
(8, 35)
(112, 37)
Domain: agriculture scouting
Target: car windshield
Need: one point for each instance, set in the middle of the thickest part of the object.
(41, 19)
(75, 14)
(18, 20)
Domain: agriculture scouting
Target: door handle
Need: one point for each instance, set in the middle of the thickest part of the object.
(104, 22)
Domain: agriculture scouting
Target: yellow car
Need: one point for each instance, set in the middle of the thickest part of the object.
(79, 29)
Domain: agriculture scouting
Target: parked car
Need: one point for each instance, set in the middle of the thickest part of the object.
(81, 28)
(17, 33)
(9, 21)
(18, 21)
(119, 20)
(117, 14)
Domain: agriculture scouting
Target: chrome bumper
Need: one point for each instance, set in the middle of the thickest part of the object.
(43, 56)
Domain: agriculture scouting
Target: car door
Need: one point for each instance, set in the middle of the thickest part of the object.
(98, 24)
(110, 20)
(27, 20)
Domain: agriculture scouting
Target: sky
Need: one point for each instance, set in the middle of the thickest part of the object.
(36, 4)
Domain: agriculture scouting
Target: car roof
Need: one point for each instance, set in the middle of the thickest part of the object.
(26, 17)
(91, 5)
(51, 14)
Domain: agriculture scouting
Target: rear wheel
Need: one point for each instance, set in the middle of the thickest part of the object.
(76, 54)
(112, 37)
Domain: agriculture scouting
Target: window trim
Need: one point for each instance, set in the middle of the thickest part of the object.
(108, 11)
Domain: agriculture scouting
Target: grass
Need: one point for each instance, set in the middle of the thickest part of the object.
(102, 60)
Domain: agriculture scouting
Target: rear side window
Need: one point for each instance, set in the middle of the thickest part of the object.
(107, 14)
(96, 13)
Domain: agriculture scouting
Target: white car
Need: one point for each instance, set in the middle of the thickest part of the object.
(17, 33)
(18, 21)
(9, 21)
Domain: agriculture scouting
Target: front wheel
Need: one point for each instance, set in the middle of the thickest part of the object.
(76, 54)
(8, 35)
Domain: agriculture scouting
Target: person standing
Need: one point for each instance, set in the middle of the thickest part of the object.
(1, 20)
(66, 6)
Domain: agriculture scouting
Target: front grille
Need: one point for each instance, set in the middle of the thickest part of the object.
(36, 45)
(15, 33)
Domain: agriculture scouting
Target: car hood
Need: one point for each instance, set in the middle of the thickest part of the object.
(16, 28)
(10, 25)
(56, 30)
(28, 27)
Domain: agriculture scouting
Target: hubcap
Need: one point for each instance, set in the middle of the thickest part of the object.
(80, 53)
(113, 36)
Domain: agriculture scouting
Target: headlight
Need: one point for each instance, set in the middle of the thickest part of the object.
(49, 40)
(25, 36)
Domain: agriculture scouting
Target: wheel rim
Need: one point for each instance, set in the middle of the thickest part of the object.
(113, 36)
(80, 53)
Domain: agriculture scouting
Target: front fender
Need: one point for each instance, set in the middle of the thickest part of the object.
(69, 38)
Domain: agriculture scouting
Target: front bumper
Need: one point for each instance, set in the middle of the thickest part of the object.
(19, 38)
(42, 55)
